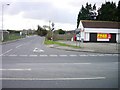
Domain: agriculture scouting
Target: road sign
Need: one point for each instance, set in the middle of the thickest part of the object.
(53, 24)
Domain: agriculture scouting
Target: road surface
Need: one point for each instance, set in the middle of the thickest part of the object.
(28, 63)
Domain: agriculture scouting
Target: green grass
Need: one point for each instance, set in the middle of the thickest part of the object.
(49, 42)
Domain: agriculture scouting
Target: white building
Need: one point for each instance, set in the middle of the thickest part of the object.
(99, 31)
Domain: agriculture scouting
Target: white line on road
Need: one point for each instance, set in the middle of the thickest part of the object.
(83, 55)
(65, 63)
(29, 69)
(92, 55)
(63, 55)
(53, 79)
(19, 46)
(23, 55)
(75, 63)
(33, 55)
(101, 55)
(12, 55)
(38, 50)
(73, 55)
(115, 54)
(6, 52)
(43, 55)
(41, 50)
(53, 55)
(111, 54)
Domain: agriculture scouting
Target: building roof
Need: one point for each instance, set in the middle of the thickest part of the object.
(100, 24)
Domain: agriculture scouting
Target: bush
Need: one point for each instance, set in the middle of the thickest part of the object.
(41, 32)
(49, 35)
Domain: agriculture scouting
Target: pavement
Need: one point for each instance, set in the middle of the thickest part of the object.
(107, 48)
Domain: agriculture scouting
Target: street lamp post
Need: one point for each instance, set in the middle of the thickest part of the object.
(3, 20)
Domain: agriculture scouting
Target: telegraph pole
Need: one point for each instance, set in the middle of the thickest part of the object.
(3, 20)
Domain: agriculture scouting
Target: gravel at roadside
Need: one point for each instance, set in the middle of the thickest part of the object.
(109, 48)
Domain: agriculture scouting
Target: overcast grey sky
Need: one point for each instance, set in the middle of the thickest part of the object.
(25, 14)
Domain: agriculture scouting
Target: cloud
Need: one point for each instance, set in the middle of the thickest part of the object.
(53, 14)
(62, 13)
(42, 11)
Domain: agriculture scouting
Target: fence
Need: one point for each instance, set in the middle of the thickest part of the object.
(62, 37)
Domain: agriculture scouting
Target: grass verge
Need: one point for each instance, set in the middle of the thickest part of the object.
(12, 37)
(49, 42)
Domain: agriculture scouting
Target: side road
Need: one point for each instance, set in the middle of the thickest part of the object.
(107, 48)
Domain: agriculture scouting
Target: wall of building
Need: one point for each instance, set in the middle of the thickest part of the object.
(94, 31)
(87, 32)
(100, 30)
(92, 37)
(118, 38)
(86, 36)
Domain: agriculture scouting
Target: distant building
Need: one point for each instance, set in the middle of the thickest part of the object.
(5, 34)
(99, 31)
(28, 32)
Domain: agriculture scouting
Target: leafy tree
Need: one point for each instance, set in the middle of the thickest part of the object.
(60, 31)
(41, 31)
(94, 7)
(86, 13)
(88, 7)
(82, 15)
(118, 12)
(107, 12)
(78, 19)
(49, 35)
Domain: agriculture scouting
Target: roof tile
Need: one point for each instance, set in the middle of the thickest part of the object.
(100, 24)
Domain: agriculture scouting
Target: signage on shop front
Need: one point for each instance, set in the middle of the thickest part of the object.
(103, 36)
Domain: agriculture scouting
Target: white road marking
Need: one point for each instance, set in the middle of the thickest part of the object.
(43, 55)
(54, 79)
(83, 55)
(38, 50)
(12, 55)
(66, 63)
(6, 52)
(73, 55)
(35, 49)
(19, 46)
(111, 54)
(33, 55)
(75, 63)
(63, 55)
(29, 69)
(115, 54)
(101, 55)
(92, 55)
(23, 55)
(108, 54)
(53, 55)
(41, 50)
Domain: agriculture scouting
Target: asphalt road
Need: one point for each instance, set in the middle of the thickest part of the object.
(28, 63)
